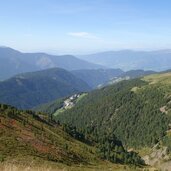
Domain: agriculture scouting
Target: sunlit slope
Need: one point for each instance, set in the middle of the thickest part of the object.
(25, 135)
(29, 142)
(164, 78)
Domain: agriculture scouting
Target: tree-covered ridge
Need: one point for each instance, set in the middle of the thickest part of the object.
(14, 62)
(132, 110)
(28, 90)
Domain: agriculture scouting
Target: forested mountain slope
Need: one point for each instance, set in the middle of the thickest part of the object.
(97, 77)
(31, 89)
(136, 111)
(92, 80)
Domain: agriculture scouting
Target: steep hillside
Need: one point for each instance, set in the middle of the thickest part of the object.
(97, 77)
(32, 89)
(14, 62)
(131, 60)
(31, 141)
(27, 138)
(59, 105)
(136, 111)
(25, 134)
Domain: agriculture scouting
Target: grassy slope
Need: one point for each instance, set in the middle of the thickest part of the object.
(21, 133)
(61, 110)
(56, 107)
(27, 142)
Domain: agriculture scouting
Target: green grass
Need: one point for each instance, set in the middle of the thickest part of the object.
(27, 142)
(164, 78)
(22, 135)
(59, 111)
(81, 97)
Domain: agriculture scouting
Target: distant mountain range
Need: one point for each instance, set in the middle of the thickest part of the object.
(127, 76)
(96, 77)
(129, 60)
(31, 89)
(13, 62)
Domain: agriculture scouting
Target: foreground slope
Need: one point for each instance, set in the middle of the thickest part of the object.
(24, 134)
(32, 89)
(30, 141)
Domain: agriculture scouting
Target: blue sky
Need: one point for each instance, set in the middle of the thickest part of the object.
(85, 26)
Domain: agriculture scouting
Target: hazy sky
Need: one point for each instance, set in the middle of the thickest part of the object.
(84, 26)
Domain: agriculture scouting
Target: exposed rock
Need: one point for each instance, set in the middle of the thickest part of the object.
(157, 155)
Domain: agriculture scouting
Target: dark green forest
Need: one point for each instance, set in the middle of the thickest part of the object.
(130, 110)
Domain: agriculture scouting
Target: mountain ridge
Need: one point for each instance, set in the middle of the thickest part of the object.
(96, 77)
(28, 90)
(14, 62)
(158, 60)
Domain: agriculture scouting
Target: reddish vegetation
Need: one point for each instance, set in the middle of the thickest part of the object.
(26, 135)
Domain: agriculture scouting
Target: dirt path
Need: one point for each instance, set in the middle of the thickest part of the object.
(165, 166)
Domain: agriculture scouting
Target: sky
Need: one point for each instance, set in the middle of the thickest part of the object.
(85, 26)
